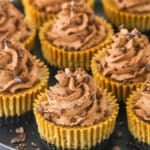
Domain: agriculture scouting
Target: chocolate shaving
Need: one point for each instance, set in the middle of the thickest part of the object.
(19, 138)
(34, 145)
(62, 111)
(73, 119)
(86, 79)
(8, 43)
(147, 67)
(47, 116)
(20, 130)
(96, 121)
(123, 50)
(92, 97)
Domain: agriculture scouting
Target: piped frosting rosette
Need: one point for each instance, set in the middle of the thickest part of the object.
(43, 10)
(22, 78)
(124, 65)
(138, 113)
(137, 6)
(76, 107)
(14, 25)
(72, 38)
(130, 13)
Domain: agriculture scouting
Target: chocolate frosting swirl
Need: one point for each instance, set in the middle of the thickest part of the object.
(75, 100)
(142, 105)
(12, 23)
(48, 6)
(18, 69)
(128, 57)
(136, 6)
(76, 28)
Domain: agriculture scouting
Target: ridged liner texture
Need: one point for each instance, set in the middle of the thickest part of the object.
(119, 89)
(137, 127)
(38, 17)
(102, 146)
(75, 137)
(21, 102)
(129, 20)
(72, 59)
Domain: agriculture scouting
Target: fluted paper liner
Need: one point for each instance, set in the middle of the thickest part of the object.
(120, 90)
(29, 42)
(39, 17)
(21, 102)
(137, 127)
(91, 3)
(129, 20)
(75, 137)
(71, 59)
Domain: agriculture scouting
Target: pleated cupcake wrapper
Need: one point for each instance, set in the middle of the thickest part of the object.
(38, 17)
(75, 137)
(21, 102)
(72, 59)
(120, 90)
(138, 128)
(99, 146)
(29, 42)
(129, 20)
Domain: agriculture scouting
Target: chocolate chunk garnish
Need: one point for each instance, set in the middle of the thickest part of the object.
(62, 111)
(123, 50)
(83, 114)
(92, 97)
(125, 81)
(137, 47)
(34, 145)
(147, 67)
(97, 61)
(40, 109)
(18, 80)
(20, 138)
(98, 110)
(73, 119)
(47, 116)
(20, 53)
(20, 130)
(86, 79)
(8, 43)
(96, 121)
(105, 65)
(98, 94)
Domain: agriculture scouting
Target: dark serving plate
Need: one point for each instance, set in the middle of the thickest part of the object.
(121, 137)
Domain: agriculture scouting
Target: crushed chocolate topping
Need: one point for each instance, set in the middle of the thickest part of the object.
(142, 104)
(129, 57)
(76, 30)
(12, 23)
(16, 72)
(136, 6)
(76, 107)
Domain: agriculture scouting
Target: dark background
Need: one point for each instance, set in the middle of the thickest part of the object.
(121, 136)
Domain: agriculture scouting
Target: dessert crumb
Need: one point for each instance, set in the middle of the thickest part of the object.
(116, 147)
(34, 145)
(20, 137)
(20, 130)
